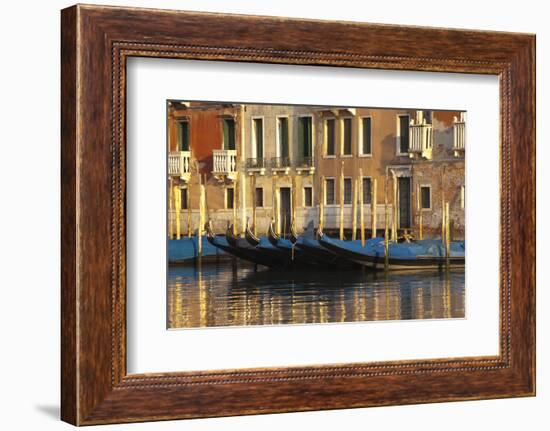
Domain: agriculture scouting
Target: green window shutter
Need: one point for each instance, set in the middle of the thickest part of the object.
(228, 134)
(231, 134)
(225, 135)
(304, 136)
(300, 136)
(183, 136)
(283, 136)
(259, 135)
(307, 140)
(367, 144)
(404, 134)
(331, 134)
(347, 136)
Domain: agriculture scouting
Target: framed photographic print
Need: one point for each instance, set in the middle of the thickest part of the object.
(260, 217)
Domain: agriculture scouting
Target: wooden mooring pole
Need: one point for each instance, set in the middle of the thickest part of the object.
(170, 210)
(202, 201)
(188, 204)
(386, 229)
(277, 211)
(394, 209)
(235, 189)
(419, 209)
(322, 205)
(294, 204)
(354, 211)
(254, 204)
(443, 223)
(420, 225)
(447, 235)
(373, 202)
(177, 204)
(342, 202)
(443, 204)
(361, 209)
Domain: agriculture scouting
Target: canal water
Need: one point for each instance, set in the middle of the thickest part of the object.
(232, 293)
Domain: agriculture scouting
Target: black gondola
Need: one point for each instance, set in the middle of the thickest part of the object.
(288, 246)
(422, 254)
(263, 253)
(252, 239)
(309, 246)
(222, 243)
(229, 244)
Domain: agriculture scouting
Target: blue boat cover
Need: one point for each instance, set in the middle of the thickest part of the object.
(403, 250)
(180, 250)
(265, 244)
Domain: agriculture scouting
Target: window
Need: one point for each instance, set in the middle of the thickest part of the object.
(183, 136)
(308, 197)
(462, 196)
(282, 127)
(183, 198)
(403, 134)
(366, 136)
(330, 130)
(428, 116)
(426, 197)
(258, 137)
(228, 134)
(366, 190)
(259, 197)
(329, 191)
(346, 136)
(229, 197)
(304, 137)
(347, 191)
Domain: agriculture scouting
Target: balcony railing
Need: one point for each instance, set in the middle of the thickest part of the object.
(459, 135)
(280, 164)
(304, 164)
(224, 164)
(179, 164)
(256, 164)
(421, 139)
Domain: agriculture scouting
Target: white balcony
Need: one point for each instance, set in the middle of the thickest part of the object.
(459, 135)
(224, 164)
(179, 164)
(421, 139)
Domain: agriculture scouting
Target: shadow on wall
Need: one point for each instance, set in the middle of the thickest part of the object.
(52, 411)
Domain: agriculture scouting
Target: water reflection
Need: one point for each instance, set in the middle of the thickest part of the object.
(231, 293)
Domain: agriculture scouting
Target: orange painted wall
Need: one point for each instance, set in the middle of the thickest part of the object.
(205, 131)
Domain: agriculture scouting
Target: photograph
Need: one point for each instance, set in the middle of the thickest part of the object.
(301, 214)
(253, 215)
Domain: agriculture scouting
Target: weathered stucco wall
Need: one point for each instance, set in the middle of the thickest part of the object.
(444, 173)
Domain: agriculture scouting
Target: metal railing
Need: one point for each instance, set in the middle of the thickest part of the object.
(304, 162)
(280, 162)
(256, 163)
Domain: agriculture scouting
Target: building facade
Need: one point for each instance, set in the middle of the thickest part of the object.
(305, 165)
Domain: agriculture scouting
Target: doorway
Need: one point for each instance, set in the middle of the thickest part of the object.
(405, 202)
(286, 210)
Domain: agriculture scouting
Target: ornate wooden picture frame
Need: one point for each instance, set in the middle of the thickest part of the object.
(96, 42)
